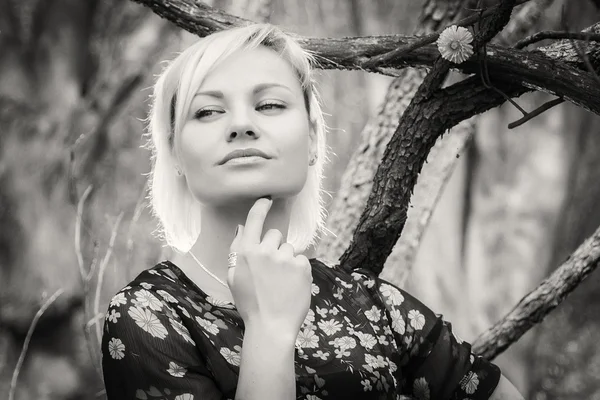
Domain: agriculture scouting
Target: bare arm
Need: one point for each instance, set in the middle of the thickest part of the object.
(506, 391)
(267, 366)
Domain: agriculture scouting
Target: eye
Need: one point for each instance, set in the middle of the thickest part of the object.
(207, 112)
(270, 106)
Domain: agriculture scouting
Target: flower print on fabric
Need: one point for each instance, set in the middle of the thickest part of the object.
(116, 349)
(148, 321)
(176, 370)
(362, 338)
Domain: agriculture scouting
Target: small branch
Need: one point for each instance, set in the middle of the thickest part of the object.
(546, 297)
(34, 322)
(101, 271)
(543, 108)
(382, 59)
(523, 22)
(85, 278)
(536, 37)
(78, 221)
(137, 212)
(581, 53)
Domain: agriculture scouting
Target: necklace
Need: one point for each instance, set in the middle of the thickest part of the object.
(296, 345)
(207, 271)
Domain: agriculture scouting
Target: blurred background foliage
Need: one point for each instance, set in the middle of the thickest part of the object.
(75, 78)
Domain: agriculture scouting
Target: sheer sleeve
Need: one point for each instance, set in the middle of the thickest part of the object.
(147, 352)
(436, 364)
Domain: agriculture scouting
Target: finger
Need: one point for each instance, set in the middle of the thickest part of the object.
(256, 220)
(272, 239)
(287, 249)
(230, 276)
(236, 243)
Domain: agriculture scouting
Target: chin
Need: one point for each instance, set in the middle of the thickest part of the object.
(248, 191)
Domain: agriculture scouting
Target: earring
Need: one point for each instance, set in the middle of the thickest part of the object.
(178, 171)
(312, 161)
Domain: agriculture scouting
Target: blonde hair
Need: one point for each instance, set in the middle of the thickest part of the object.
(171, 202)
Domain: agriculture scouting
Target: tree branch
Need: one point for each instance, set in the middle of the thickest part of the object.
(194, 16)
(429, 39)
(536, 37)
(553, 69)
(537, 304)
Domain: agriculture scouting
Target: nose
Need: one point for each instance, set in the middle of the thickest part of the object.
(242, 127)
(247, 132)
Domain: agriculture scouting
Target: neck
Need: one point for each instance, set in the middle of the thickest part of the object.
(218, 230)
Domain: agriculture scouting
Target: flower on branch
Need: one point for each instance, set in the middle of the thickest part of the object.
(454, 44)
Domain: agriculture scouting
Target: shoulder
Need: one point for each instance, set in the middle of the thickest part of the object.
(151, 286)
(148, 306)
(337, 272)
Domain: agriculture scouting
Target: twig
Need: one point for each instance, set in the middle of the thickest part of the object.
(581, 54)
(78, 221)
(486, 81)
(85, 278)
(538, 303)
(94, 262)
(137, 212)
(381, 59)
(34, 322)
(523, 22)
(536, 37)
(103, 266)
(528, 116)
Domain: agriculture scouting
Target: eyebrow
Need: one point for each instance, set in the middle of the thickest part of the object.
(257, 89)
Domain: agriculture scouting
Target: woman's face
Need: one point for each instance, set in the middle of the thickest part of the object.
(251, 100)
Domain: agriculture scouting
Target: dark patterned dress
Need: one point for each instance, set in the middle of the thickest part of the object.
(363, 338)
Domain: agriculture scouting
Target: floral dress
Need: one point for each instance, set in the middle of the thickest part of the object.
(362, 338)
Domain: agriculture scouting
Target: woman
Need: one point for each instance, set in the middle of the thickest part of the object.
(238, 142)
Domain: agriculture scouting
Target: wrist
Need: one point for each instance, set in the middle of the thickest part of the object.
(271, 333)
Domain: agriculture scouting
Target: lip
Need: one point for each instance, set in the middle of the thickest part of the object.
(249, 152)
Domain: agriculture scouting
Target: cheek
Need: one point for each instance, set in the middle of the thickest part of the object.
(193, 151)
(295, 147)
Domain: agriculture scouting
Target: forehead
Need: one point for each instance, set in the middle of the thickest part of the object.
(249, 67)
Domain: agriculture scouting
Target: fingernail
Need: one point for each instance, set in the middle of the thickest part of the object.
(269, 198)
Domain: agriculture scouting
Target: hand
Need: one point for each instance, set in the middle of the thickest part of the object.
(271, 286)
